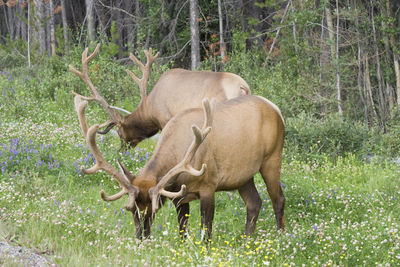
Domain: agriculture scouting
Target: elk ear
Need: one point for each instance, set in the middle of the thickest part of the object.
(126, 172)
(108, 128)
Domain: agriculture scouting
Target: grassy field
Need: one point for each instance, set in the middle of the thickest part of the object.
(341, 213)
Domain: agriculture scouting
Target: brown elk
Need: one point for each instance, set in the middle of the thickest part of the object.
(176, 90)
(246, 137)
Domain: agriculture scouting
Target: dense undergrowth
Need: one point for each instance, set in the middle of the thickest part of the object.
(340, 179)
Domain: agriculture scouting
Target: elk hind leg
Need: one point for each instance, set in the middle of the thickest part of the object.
(252, 199)
(271, 172)
(183, 216)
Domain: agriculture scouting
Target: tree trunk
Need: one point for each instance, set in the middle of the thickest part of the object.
(119, 18)
(40, 19)
(65, 24)
(362, 92)
(90, 20)
(329, 22)
(29, 34)
(194, 33)
(295, 31)
(395, 54)
(7, 26)
(382, 103)
(52, 29)
(338, 88)
(396, 67)
(129, 23)
(221, 32)
(11, 22)
(322, 57)
(370, 99)
(24, 29)
(134, 35)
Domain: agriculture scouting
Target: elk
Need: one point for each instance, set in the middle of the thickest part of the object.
(176, 90)
(246, 137)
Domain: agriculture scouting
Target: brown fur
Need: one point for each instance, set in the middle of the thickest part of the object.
(175, 91)
(246, 138)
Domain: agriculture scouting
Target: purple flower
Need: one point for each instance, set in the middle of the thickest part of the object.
(315, 227)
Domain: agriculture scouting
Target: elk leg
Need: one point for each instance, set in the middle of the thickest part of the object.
(183, 216)
(207, 206)
(251, 198)
(271, 171)
(136, 219)
(148, 220)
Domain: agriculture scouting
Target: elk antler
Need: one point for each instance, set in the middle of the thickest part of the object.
(101, 163)
(115, 116)
(184, 165)
(142, 83)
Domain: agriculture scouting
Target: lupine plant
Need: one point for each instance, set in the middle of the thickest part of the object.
(17, 155)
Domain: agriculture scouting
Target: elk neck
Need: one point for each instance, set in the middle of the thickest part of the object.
(141, 121)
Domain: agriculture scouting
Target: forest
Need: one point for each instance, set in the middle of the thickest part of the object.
(332, 68)
(334, 56)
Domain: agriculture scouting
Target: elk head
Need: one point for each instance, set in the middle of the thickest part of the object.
(131, 128)
(123, 176)
(144, 193)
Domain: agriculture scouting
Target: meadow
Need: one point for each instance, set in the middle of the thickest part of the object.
(340, 211)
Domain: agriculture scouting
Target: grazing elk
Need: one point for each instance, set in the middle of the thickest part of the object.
(246, 138)
(176, 90)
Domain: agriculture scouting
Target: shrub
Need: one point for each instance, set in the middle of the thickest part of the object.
(334, 136)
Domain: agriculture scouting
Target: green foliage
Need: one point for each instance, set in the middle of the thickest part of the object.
(12, 54)
(387, 143)
(332, 136)
(110, 48)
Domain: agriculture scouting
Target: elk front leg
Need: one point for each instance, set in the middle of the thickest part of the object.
(136, 219)
(148, 220)
(207, 207)
(251, 198)
(183, 216)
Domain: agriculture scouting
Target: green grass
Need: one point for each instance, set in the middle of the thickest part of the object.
(343, 213)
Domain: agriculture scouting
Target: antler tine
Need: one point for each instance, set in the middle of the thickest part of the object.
(101, 163)
(80, 107)
(142, 82)
(84, 75)
(184, 165)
